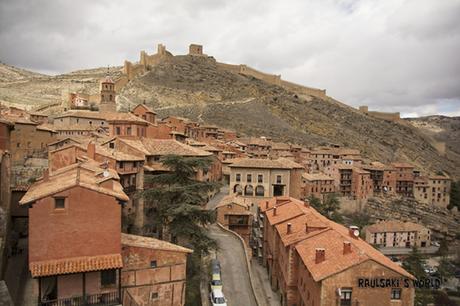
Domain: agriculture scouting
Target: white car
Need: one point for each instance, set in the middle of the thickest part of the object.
(218, 298)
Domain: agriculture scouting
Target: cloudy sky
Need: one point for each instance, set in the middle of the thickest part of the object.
(393, 55)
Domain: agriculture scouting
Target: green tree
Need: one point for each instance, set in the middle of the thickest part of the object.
(443, 248)
(329, 207)
(454, 195)
(414, 264)
(174, 204)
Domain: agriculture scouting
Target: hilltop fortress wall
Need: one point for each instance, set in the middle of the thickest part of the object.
(273, 79)
(146, 61)
(381, 115)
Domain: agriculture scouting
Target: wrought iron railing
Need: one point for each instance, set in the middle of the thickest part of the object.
(99, 299)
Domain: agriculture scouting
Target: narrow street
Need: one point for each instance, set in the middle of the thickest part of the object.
(235, 277)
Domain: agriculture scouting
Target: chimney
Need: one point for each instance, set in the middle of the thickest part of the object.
(306, 203)
(320, 255)
(46, 175)
(266, 204)
(274, 211)
(91, 151)
(289, 228)
(353, 231)
(346, 247)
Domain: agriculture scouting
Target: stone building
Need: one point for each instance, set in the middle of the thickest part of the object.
(383, 177)
(152, 150)
(6, 127)
(76, 213)
(317, 185)
(153, 271)
(126, 124)
(314, 261)
(28, 139)
(234, 212)
(404, 179)
(107, 89)
(398, 234)
(434, 190)
(145, 112)
(257, 178)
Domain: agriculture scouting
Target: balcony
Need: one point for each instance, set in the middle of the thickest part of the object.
(99, 299)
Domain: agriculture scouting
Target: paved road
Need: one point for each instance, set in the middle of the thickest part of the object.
(217, 198)
(235, 278)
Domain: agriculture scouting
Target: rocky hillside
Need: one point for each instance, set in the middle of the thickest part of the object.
(196, 88)
(25, 89)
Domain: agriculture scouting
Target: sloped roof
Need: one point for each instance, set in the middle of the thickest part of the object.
(152, 243)
(124, 117)
(394, 226)
(144, 106)
(235, 199)
(75, 265)
(82, 114)
(86, 174)
(280, 163)
(162, 147)
(316, 177)
(328, 235)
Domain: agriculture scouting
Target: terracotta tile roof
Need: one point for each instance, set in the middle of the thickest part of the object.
(328, 235)
(270, 203)
(235, 199)
(74, 127)
(82, 114)
(162, 147)
(280, 146)
(377, 166)
(280, 163)
(148, 109)
(438, 177)
(299, 226)
(152, 243)
(75, 265)
(124, 117)
(46, 127)
(394, 226)
(402, 165)
(18, 119)
(86, 174)
(316, 177)
(117, 154)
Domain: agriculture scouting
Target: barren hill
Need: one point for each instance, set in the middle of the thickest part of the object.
(194, 87)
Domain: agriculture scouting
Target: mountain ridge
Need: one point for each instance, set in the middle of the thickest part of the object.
(195, 87)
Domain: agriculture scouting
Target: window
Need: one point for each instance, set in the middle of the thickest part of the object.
(59, 203)
(153, 295)
(260, 191)
(18, 145)
(108, 277)
(260, 178)
(278, 179)
(91, 122)
(118, 130)
(249, 178)
(112, 145)
(153, 264)
(345, 297)
(396, 293)
(128, 131)
(238, 177)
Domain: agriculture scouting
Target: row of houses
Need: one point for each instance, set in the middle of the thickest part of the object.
(311, 260)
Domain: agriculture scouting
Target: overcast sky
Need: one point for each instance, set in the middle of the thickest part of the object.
(392, 55)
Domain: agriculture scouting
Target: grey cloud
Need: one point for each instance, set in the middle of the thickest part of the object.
(392, 55)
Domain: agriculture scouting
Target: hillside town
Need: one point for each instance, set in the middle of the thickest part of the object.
(76, 224)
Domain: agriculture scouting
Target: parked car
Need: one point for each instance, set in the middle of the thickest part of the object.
(216, 282)
(217, 298)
